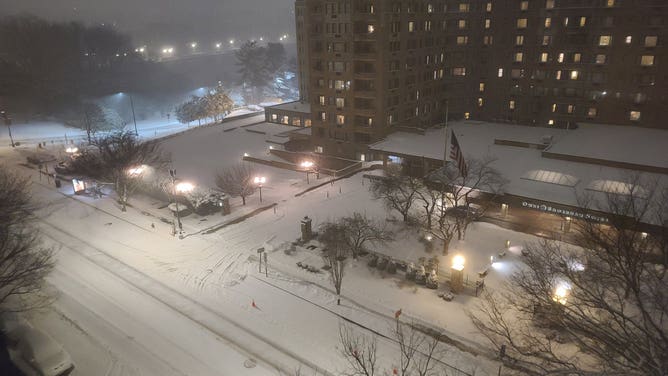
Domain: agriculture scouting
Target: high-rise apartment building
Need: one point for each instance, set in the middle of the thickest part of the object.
(369, 67)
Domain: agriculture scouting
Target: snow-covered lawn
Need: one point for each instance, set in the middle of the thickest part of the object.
(189, 302)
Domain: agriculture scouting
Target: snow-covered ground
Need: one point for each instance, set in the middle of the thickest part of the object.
(153, 304)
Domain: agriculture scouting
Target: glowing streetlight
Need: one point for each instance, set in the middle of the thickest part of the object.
(218, 45)
(458, 262)
(561, 293)
(71, 150)
(193, 45)
(136, 171)
(308, 166)
(259, 180)
(184, 187)
(167, 50)
(231, 41)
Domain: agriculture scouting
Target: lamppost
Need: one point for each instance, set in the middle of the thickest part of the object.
(132, 107)
(259, 180)
(308, 166)
(182, 187)
(8, 123)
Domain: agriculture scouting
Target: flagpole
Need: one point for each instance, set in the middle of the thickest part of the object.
(445, 129)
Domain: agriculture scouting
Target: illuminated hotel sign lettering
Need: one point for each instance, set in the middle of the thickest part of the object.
(565, 212)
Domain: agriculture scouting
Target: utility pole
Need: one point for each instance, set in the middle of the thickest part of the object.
(8, 123)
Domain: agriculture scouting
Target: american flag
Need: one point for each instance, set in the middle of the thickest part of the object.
(457, 156)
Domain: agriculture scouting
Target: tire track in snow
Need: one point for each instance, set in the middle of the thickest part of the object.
(264, 342)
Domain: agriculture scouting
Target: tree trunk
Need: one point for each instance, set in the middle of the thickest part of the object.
(243, 199)
(446, 246)
(405, 216)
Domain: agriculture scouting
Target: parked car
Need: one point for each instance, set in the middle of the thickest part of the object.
(34, 352)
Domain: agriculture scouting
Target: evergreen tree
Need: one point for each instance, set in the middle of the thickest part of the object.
(251, 60)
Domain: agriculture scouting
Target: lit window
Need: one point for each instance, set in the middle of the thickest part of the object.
(634, 115)
(543, 57)
(560, 57)
(430, 8)
(550, 122)
(591, 112)
(600, 59)
(549, 4)
(546, 40)
(650, 41)
(548, 21)
(499, 73)
(459, 71)
(427, 25)
(480, 102)
(467, 115)
(609, 3)
(488, 7)
(524, 5)
(574, 75)
(487, 40)
(570, 108)
(411, 26)
(319, 149)
(605, 40)
(628, 39)
(519, 40)
(554, 107)
(647, 60)
(370, 29)
(566, 21)
(481, 87)
(577, 57)
(340, 102)
(488, 23)
(557, 75)
(462, 39)
(463, 7)
(274, 117)
(583, 21)
(322, 100)
(511, 105)
(518, 57)
(340, 119)
(323, 116)
(521, 23)
(461, 24)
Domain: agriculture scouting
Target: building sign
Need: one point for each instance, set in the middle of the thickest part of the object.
(565, 212)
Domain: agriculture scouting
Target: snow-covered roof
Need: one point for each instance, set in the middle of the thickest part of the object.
(529, 174)
(641, 146)
(295, 106)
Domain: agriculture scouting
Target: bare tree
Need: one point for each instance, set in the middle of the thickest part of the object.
(359, 230)
(419, 354)
(481, 182)
(359, 351)
(121, 159)
(24, 262)
(397, 191)
(237, 181)
(596, 309)
(332, 235)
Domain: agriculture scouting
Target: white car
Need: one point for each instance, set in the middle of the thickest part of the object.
(34, 352)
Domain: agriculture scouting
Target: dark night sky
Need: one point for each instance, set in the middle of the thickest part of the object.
(170, 21)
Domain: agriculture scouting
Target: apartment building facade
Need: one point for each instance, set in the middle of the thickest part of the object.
(370, 67)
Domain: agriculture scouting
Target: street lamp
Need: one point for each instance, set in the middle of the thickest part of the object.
(458, 262)
(193, 45)
(136, 171)
(132, 107)
(259, 180)
(182, 187)
(8, 123)
(308, 166)
(71, 150)
(218, 45)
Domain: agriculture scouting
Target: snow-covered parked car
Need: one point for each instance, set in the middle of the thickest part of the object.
(34, 352)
